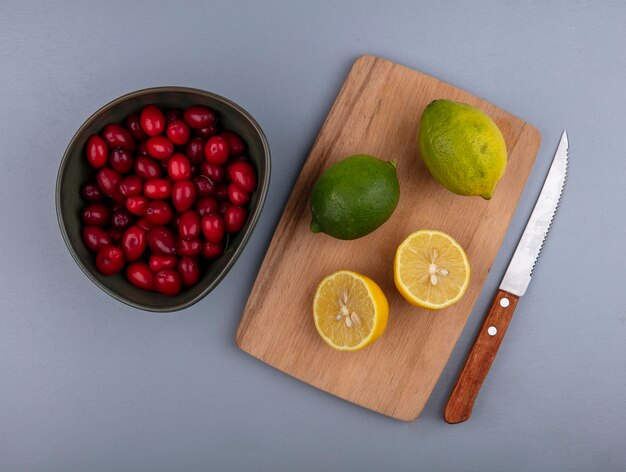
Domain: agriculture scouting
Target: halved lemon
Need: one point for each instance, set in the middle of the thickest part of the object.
(431, 269)
(350, 310)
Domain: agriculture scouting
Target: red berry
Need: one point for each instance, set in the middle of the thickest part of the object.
(235, 143)
(243, 175)
(140, 275)
(221, 192)
(216, 150)
(158, 189)
(206, 205)
(121, 218)
(237, 196)
(130, 186)
(133, 125)
(95, 237)
(161, 241)
(178, 132)
(173, 114)
(235, 219)
(183, 195)
(91, 192)
(110, 260)
(206, 132)
(179, 167)
(213, 228)
(147, 168)
(189, 225)
(158, 213)
(152, 120)
(134, 243)
(195, 150)
(158, 262)
(137, 204)
(144, 223)
(211, 250)
(116, 136)
(189, 271)
(160, 147)
(97, 151)
(198, 117)
(168, 282)
(212, 171)
(204, 186)
(108, 180)
(96, 214)
(121, 160)
(188, 248)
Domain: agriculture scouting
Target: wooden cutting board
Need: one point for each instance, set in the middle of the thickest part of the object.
(377, 112)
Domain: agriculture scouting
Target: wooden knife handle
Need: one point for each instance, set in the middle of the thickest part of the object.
(480, 358)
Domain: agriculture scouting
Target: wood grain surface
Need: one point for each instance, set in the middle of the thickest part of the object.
(377, 112)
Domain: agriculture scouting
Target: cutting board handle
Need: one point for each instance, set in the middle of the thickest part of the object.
(480, 358)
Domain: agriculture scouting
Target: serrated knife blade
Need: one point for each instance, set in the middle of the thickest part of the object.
(513, 286)
(520, 270)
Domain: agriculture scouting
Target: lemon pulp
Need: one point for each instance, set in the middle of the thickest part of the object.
(350, 310)
(431, 269)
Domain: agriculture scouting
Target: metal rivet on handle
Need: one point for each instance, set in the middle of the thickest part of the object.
(492, 330)
(504, 302)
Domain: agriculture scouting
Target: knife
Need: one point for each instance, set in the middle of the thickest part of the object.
(512, 287)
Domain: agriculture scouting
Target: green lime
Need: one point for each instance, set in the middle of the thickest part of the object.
(354, 197)
(462, 148)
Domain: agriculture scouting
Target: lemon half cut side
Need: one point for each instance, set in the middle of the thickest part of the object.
(350, 310)
(431, 269)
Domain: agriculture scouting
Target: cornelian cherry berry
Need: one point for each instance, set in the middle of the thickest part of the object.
(168, 282)
(183, 195)
(213, 228)
(116, 136)
(140, 275)
(134, 243)
(234, 219)
(235, 143)
(189, 271)
(158, 262)
(178, 132)
(159, 147)
(216, 150)
(110, 260)
(97, 151)
(198, 117)
(243, 175)
(95, 237)
(152, 120)
(189, 247)
(179, 168)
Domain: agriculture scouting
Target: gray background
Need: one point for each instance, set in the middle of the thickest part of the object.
(87, 383)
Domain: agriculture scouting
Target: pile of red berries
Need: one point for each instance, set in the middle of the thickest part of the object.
(169, 189)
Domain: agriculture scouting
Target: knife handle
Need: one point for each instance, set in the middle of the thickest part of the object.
(480, 358)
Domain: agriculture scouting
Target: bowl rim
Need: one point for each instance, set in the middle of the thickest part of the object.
(254, 216)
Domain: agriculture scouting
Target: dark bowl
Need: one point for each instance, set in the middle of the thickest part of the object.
(74, 171)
